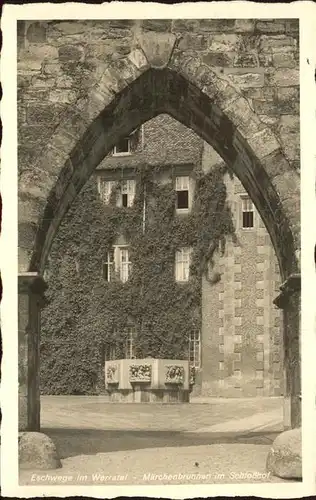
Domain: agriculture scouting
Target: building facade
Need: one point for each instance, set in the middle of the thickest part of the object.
(234, 341)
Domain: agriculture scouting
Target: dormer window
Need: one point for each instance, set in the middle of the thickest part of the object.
(130, 144)
(182, 193)
(123, 147)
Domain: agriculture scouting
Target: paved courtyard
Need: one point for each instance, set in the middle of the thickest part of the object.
(206, 441)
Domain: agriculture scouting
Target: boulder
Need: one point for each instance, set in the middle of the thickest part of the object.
(285, 457)
(37, 451)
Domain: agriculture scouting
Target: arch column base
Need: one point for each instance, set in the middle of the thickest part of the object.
(289, 300)
(31, 288)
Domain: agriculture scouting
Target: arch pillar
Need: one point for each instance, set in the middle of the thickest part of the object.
(31, 288)
(289, 300)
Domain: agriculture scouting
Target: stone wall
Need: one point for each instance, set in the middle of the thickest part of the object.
(241, 328)
(58, 61)
(68, 72)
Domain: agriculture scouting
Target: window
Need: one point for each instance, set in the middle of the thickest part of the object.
(111, 352)
(182, 190)
(117, 263)
(126, 193)
(247, 213)
(130, 343)
(105, 190)
(123, 147)
(108, 266)
(125, 348)
(124, 264)
(195, 349)
(183, 264)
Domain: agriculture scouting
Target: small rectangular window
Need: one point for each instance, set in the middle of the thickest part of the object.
(247, 213)
(123, 147)
(183, 264)
(195, 348)
(182, 191)
(124, 200)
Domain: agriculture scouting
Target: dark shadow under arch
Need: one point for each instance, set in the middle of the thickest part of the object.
(153, 93)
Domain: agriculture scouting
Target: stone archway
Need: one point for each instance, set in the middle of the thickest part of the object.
(154, 79)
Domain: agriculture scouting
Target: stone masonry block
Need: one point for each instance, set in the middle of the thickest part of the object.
(245, 80)
(157, 47)
(284, 60)
(157, 25)
(138, 58)
(70, 53)
(283, 77)
(269, 43)
(224, 42)
(216, 25)
(219, 59)
(193, 42)
(263, 143)
(243, 117)
(270, 27)
(29, 209)
(244, 25)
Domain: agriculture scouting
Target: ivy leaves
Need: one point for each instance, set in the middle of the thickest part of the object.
(85, 313)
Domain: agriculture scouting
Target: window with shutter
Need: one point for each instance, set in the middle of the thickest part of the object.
(126, 193)
(105, 190)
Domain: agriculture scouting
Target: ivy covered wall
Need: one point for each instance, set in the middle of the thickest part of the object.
(86, 313)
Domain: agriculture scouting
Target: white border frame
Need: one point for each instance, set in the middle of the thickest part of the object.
(306, 12)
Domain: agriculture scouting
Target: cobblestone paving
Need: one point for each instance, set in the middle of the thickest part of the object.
(158, 444)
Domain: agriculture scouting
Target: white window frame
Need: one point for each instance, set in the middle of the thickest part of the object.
(195, 349)
(182, 183)
(110, 264)
(182, 264)
(117, 266)
(128, 187)
(105, 187)
(123, 267)
(247, 202)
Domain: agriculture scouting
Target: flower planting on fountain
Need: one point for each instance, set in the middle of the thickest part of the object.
(112, 374)
(174, 374)
(140, 373)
